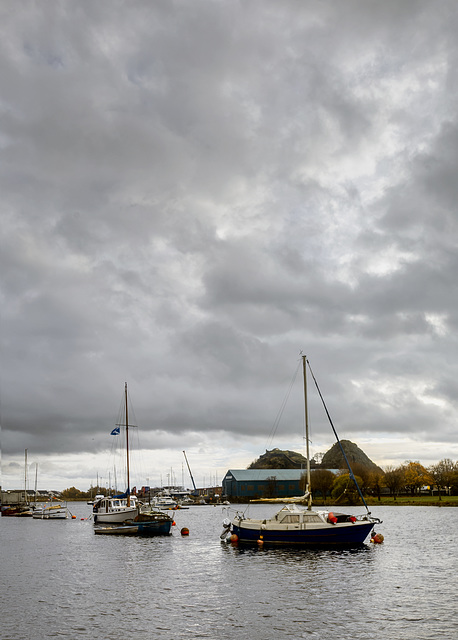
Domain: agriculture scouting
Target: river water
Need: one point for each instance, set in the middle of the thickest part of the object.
(58, 579)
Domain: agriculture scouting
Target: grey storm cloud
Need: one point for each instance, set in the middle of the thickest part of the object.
(192, 193)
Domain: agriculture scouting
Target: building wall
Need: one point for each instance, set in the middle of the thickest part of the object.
(268, 488)
(13, 497)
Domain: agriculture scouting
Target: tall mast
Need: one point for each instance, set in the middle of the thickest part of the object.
(308, 487)
(127, 448)
(25, 478)
(190, 473)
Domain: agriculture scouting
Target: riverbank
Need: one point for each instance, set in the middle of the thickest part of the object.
(412, 501)
(405, 501)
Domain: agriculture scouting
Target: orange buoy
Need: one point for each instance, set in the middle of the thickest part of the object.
(378, 538)
(234, 538)
(73, 517)
(174, 524)
(185, 531)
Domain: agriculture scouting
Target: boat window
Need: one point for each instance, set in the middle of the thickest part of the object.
(287, 519)
(312, 518)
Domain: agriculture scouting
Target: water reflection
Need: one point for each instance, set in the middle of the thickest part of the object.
(294, 551)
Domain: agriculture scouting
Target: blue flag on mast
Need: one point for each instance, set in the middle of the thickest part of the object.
(115, 432)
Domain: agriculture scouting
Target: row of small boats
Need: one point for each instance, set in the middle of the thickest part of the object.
(50, 511)
(112, 515)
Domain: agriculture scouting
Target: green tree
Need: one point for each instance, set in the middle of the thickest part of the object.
(344, 490)
(73, 494)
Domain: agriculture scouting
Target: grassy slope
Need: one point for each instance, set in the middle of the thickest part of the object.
(423, 501)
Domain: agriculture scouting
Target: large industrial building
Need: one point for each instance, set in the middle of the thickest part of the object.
(248, 484)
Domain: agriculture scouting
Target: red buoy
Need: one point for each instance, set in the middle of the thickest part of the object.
(185, 531)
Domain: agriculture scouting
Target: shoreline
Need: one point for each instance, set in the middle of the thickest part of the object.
(401, 501)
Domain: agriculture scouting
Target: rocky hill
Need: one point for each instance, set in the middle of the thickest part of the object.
(332, 459)
(278, 459)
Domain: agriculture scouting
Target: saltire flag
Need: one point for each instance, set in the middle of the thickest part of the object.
(115, 432)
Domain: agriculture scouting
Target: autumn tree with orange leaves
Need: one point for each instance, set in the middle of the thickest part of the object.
(416, 476)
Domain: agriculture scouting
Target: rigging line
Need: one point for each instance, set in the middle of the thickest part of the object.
(132, 416)
(121, 412)
(278, 417)
(336, 500)
(282, 406)
(338, 440)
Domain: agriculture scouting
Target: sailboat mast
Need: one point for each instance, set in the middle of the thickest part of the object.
(308, 487)
(127, 447)
(25, 478)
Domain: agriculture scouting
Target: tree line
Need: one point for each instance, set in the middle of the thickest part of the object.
(409, 478)
(75, 494)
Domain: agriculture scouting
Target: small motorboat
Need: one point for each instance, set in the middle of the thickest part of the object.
(145, 523)
(51, 512)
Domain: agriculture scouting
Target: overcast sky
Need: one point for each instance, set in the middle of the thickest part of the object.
(194, 192)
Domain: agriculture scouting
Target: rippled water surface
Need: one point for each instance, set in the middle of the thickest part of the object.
(60, 580)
